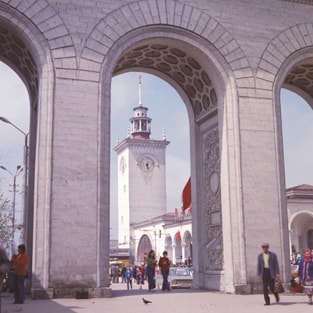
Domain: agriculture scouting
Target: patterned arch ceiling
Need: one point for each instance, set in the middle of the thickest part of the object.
(192, 78)
(301, 76)
(14, 51)
(178, 65)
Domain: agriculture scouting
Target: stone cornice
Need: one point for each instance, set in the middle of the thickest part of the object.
(309, 2)
(137, 143)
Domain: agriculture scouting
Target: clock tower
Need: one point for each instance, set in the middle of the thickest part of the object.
(141, 174)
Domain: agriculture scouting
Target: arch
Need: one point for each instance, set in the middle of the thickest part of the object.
(288, 45)
(118, 31)
(138, 14)
(187, 248)
(296, 215)
(210, 121)
(144, 246)
(300, 230)
(28, 53)
(280, 65)
(168, 244)
(53, 31)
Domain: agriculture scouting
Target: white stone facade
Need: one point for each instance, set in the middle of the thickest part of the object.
(300, 217)
(227, 59)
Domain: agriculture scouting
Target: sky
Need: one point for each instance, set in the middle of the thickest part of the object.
(168, 112)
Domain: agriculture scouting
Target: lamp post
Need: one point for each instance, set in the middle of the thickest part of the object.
(18, 171)
(25, 165)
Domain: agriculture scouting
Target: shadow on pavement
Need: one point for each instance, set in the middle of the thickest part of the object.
(120, 290)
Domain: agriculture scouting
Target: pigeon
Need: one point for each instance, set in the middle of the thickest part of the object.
(146, 301)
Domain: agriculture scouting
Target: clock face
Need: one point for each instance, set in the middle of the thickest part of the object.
(214, 182)
(122, 164)
(147, 164)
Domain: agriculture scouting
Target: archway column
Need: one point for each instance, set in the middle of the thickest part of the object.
(244, 206)
(72, 224)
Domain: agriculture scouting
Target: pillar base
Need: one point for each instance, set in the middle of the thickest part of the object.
(38, 294)
(50, 293)
(243, 289)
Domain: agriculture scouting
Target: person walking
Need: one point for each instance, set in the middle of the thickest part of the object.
(129, 275)
(268, 270)
(19, 269)
(140, 277)
(123, 271)
(150, 270)
(164, 265)
(4, 268)
(305, 273)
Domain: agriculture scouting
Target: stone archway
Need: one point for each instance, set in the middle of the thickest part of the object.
(24, 49)
(168, 244)
(300, 230)
(144, 245)
(199, 79)
(187, 246)
(227, 140)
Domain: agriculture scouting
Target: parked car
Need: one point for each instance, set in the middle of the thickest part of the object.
(180, 277)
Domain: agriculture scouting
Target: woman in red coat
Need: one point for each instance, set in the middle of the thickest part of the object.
(19, 269)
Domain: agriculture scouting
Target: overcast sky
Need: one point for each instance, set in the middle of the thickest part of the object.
(167, 112)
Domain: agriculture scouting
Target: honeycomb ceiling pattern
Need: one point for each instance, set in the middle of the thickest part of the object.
(13, 50)
(179, 66)
(173, 62)
(301, 76)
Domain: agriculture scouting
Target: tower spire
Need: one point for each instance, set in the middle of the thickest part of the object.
(140, 122)
(139, 80)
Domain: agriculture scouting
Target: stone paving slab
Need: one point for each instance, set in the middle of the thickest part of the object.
(182, 301)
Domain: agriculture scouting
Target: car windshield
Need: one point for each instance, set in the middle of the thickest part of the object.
(179, 272)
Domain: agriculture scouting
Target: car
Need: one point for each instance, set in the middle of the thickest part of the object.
(180, 277)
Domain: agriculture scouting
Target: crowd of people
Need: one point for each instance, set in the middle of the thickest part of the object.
(145, 272)
(302, 278)
(267, 271)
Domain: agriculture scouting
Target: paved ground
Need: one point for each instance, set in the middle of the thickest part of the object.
(182, 301)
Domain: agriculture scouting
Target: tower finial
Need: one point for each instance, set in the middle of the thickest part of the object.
(139, 79)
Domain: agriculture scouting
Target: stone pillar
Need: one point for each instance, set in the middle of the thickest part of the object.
(71, 237)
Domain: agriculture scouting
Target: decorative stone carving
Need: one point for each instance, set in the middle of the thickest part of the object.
(213, 214)
(13, 49)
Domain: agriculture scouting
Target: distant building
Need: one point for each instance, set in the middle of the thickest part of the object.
(143, 220)
(141, 177)
(300, 217)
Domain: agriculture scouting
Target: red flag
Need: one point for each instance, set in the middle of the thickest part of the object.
(186, 195)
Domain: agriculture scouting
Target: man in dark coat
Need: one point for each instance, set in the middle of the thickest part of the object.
(268, 270)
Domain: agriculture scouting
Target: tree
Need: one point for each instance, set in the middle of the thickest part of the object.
(5, 221)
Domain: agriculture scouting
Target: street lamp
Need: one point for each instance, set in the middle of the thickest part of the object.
(18, 171)
(25, 165)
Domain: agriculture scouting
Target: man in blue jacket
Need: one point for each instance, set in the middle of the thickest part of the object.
(268, 270)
